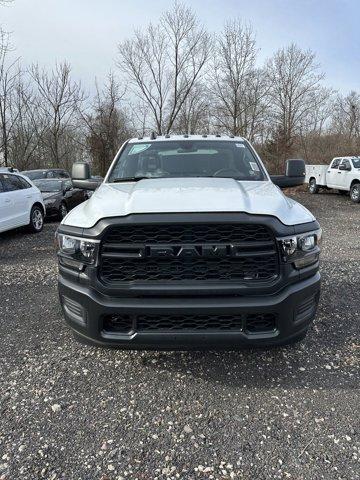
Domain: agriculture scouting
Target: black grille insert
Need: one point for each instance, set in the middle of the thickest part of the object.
(146, 323)
(188, 252)
(260, 322)
(250, 323)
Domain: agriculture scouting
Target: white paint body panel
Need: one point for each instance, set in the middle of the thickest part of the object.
(326, 176)
(179, 195)
(318, 172)
(15, 206)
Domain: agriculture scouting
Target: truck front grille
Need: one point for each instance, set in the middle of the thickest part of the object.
(220, 253)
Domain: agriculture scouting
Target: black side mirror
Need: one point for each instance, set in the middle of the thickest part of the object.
(294, 174)
(81, 177)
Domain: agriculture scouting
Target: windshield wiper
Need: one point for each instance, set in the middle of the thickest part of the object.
(131, 179)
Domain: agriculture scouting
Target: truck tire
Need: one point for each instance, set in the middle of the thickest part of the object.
(36, 223)
(355, 192)
(313, 187)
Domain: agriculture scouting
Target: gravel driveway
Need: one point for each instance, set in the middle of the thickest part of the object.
(74, 412)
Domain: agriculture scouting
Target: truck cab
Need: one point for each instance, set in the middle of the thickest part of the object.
(188, 243)
(342, 172)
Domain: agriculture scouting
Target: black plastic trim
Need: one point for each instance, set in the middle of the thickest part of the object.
(288, 275)
(274, 223)
(285, 305)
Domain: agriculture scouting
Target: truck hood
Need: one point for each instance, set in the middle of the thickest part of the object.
(179, 195)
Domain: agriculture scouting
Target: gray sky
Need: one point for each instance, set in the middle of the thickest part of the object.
(87, 32)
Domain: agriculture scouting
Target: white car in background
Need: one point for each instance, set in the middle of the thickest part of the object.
(343, 174)
(21, 202)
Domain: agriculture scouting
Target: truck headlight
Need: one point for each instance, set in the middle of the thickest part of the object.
(302, 250)
(309, 241)
(77, 249)
(289, 245)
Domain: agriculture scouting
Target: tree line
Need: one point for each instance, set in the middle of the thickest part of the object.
(176, 77)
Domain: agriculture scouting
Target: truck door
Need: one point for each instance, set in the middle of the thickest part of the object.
(333, 173)
(345, 177)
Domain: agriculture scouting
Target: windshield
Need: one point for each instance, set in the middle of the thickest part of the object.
(48, 185)
(34, 175)
(187, 158)
(356, 162)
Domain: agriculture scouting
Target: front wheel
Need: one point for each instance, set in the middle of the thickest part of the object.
(313, 187)
(355, 193)
(36, 219)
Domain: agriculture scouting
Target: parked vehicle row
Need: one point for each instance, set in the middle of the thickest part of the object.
(342, 174)
(27, 197)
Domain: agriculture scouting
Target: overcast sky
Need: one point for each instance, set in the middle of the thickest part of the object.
(87, 32)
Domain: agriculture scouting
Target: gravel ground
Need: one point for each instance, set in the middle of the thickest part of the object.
(75, 412)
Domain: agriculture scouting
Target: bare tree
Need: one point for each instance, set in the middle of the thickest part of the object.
(346, 115)
(295, 92)
(60, 101)
(28, 126)
(194, 116)
(107, 125)
(238, 88)
(255, 106)
(163, 63)
(9, 73)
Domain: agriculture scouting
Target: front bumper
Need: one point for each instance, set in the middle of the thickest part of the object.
(294, 308)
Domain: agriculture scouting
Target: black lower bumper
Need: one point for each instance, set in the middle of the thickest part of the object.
(294, 308)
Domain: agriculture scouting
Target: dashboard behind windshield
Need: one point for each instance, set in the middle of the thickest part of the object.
(187, 158)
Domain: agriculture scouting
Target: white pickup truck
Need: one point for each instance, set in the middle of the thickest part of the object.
(343, 174)
(188, 243)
